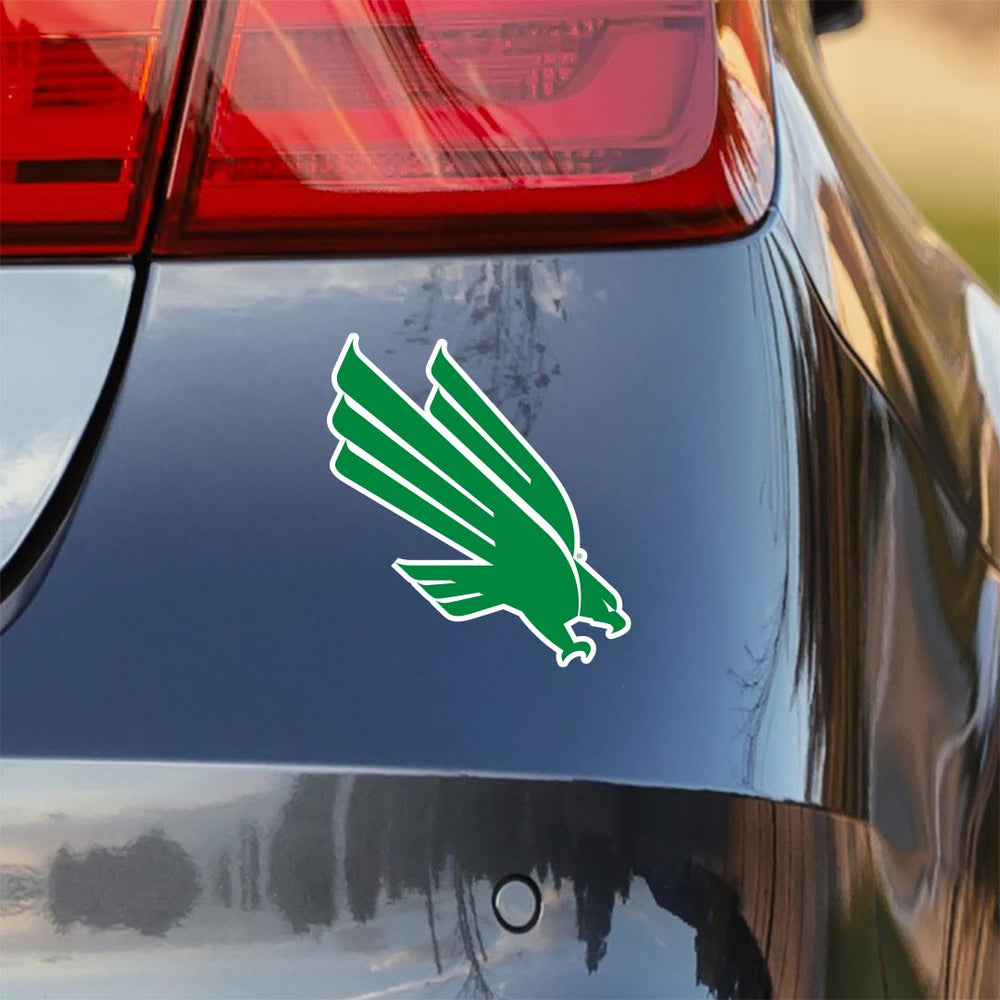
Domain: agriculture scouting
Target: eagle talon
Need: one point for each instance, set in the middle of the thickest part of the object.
(583, 648)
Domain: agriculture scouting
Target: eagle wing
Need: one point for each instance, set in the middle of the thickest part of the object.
(460, 406)
(456, 468)
(392, 452)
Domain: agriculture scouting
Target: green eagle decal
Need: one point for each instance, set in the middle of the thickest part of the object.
(459, 470)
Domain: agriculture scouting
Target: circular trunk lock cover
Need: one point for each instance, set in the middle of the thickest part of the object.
(517, 903)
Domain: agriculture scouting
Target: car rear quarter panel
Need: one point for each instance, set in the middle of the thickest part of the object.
(780, 451)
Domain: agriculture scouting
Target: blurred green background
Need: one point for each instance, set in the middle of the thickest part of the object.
(921, 81)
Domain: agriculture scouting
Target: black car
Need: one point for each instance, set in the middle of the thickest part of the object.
(498, 498)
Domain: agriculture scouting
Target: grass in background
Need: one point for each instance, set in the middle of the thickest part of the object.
(921, 83)
(976, 240)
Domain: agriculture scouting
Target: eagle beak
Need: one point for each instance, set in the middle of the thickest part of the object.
(618, 624)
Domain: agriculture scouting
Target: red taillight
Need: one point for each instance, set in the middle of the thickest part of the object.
(83, 91)
(389, 124)
(315, 125)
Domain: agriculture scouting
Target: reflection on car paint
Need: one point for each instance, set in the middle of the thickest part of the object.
(822, 589)
(816, 543)
(341, 883)
(894, 290)
(60, 331)
(503, 343)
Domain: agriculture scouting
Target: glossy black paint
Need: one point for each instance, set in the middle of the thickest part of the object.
(900, 299)
(268, 883)
(271, 563)
(221, 597)
(219, 582)
(783, 454)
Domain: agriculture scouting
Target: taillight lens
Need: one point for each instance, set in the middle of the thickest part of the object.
(84, 86)
(389, 124)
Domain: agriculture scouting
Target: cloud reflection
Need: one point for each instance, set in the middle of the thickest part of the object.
(27, 476)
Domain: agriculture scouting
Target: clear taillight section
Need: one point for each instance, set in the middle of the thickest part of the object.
(388, 124)
(84, 86)
(352, 125)
(442, 96)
